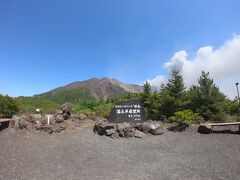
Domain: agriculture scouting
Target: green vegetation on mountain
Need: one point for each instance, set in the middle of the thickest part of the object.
(73, 96)
(82, 103)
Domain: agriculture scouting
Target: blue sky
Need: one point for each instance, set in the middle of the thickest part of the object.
(46, 44)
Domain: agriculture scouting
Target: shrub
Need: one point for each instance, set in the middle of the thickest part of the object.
(186, 117)
(30, 104)
(8, 106)
(104, 110)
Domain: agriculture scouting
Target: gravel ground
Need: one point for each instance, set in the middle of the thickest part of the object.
(81, 154)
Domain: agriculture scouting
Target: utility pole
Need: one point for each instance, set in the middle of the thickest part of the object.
(238, 101)
(237, 91)
(0, 110)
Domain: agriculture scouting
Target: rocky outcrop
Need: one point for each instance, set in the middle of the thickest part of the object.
(27, 122)
(30, 122)
(66, 109)
(139, 130)
(64, 113)
(56, 123)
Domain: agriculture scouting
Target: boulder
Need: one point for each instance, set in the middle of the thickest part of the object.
(23, 124)
(66, 108)
(115, 135)
(157, 131)
(26, 122)
(146, 127)
(64, 113)
(204, 129)
(110, 132)
(78, 117)
(101, 127)
(139, 134)
(138, 126)
(48, 129)
(152, 127)
(82, 116)
(58, 118)
(59, 129)
(31, 122)
(125, 129)
(39, 123)
(43, 122)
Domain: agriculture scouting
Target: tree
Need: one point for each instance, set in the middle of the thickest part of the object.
(154, 106)
(8, 106)
(206, 99)
(173, 95)
(146, 96)
(146, 90)
(129, 95)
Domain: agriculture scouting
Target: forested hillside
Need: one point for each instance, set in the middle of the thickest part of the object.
(174, 102)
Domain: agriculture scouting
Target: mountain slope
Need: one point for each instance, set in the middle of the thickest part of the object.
(99, 89)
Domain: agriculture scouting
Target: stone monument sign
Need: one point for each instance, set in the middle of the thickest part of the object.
(128, 111)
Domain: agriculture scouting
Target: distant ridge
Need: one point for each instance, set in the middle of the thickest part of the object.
(99, 89)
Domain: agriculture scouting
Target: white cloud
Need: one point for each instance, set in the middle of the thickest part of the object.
(157, 81)
(222, 63)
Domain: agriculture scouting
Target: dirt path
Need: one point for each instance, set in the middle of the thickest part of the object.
(80, 154)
